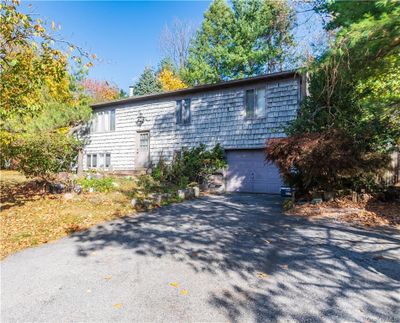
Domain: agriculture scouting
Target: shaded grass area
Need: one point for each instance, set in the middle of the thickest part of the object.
(29, 216)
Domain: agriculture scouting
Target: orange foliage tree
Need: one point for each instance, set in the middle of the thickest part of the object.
(100, 91)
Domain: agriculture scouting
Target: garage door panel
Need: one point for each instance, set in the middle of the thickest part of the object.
(248, 172)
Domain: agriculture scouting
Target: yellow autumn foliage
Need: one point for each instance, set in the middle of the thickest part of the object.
(170, 81)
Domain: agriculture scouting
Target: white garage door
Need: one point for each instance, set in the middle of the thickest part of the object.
(248, 172)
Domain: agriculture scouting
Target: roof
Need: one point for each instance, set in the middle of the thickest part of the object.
(200, 88)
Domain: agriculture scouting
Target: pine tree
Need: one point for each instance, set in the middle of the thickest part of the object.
(250, 38)
(208, 54)
(148, 83)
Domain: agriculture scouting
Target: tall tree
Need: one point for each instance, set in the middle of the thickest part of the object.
(30, 62)
(175, 40)
(354, 99)
(244, 40)
(148, 83)
(41, 101)
(100, 91)
(355, 84)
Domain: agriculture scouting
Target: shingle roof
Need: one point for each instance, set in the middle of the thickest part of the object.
(201, 88)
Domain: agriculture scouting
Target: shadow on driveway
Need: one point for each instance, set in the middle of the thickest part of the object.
(314, 270)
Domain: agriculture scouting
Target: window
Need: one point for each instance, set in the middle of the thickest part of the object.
(144, 141)
(103, 121)
(108, 160)
(183, 111)
(112, 120)
(102, 160)
(94, 160)
(255, 103)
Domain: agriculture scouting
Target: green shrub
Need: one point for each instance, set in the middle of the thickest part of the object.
(191, 165)
(287, 204)
(160, 171)
(45, 155)
(146, 184)
(104, 184)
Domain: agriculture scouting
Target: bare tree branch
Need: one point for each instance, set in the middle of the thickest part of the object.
(175, 40)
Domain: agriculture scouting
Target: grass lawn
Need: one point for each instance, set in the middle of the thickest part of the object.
(29, 217)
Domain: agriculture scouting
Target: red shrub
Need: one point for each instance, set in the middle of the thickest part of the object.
(327, 160)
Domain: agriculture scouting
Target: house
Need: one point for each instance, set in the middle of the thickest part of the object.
(131, 134)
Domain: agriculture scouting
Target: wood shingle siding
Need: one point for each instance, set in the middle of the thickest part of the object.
(217, 116)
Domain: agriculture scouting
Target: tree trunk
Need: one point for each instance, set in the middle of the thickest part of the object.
(79, 170)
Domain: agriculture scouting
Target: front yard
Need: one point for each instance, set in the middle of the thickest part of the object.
(370, 211)
(29, 217)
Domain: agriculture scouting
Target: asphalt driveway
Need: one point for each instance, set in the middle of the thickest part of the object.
(232, 258)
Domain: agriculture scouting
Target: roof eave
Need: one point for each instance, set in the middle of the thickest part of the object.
(200, 88)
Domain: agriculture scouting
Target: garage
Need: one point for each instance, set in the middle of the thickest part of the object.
(248, 172)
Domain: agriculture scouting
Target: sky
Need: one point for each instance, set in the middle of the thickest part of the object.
(125, 35)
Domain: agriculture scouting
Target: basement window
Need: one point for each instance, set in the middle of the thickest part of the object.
(101, 160)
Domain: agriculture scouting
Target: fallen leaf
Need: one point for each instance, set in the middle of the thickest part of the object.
(118, 305)
(174, 284)
(108, 277)
(261, 275)
(184, 292)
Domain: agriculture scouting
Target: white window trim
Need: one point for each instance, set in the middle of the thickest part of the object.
(97, 120)
(254, 115)
(91, 154)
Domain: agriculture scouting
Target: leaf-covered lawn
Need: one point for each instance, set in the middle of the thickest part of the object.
(29, 218)
(369, 212)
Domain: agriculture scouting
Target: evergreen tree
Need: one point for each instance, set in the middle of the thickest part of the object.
(244, 40)
(355, 85)
(148, 83)
(350, 121)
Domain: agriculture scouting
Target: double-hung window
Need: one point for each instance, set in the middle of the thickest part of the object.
(182, 111)
(255, 103)
(103, 121)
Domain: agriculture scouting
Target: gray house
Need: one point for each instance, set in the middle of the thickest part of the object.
(131, 134)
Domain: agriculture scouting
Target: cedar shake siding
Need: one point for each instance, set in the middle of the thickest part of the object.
(217, 115)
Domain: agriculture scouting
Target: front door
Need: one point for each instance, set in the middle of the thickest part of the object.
(143, 150)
